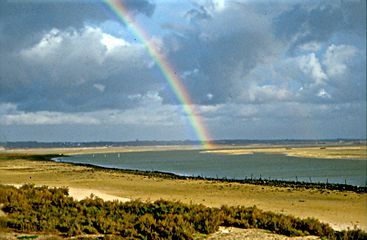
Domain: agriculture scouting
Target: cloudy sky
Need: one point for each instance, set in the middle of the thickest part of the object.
(71, 71)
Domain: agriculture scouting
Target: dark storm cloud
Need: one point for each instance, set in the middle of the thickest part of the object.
(241, 53)
(306, 22)
(140, 6)
(216, 52)
(197, 14)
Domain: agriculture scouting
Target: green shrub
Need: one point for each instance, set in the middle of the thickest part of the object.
(52, 210)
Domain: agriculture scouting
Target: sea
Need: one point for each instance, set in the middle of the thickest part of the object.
(223, 166)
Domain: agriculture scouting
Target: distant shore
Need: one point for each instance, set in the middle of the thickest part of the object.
(320, 151)
(327, 152)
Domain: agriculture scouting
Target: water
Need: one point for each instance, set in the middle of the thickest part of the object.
(197, 163)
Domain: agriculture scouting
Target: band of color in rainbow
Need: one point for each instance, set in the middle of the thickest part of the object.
(167, 70)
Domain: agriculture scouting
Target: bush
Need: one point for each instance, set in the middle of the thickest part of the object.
(51, 210)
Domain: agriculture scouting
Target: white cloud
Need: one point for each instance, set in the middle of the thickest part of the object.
(145, 116)
(189, 73)
(219, 5)
(310, 47)
(158, 44)
(47, 118)
(99, 87)
(209, 96)
(50, 42)
(310, 64)
(268, 93)
(59, 45)
(78, 56)
(111, 42)
(212, 5)
(134, 96)
(204, 109)
(323, 94)
(67, 70)
(337, 57)
(7, 108)
(150, 98)
(148, 114)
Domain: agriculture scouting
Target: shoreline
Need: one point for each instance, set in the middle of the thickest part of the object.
(255, 181)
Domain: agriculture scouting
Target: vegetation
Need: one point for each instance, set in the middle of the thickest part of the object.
(34, 157)
(52, 210)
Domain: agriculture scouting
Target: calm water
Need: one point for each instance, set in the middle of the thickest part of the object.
(195, 163)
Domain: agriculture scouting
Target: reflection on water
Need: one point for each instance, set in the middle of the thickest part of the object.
(268, 166)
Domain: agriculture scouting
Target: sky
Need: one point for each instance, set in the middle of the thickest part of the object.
(73, 71)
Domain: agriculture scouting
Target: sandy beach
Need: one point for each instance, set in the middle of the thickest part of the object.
(328, 152)
(341, 210)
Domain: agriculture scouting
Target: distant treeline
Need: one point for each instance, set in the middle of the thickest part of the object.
(35, 144)
(31, 209)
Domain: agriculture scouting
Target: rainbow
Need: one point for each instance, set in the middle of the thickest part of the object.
(167, 70)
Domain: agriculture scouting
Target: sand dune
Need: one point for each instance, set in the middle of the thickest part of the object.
(82, 193)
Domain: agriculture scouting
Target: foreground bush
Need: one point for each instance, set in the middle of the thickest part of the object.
(51, 210)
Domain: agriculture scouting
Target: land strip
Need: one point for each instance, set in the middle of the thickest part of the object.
(328, 152)
(322, 151)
